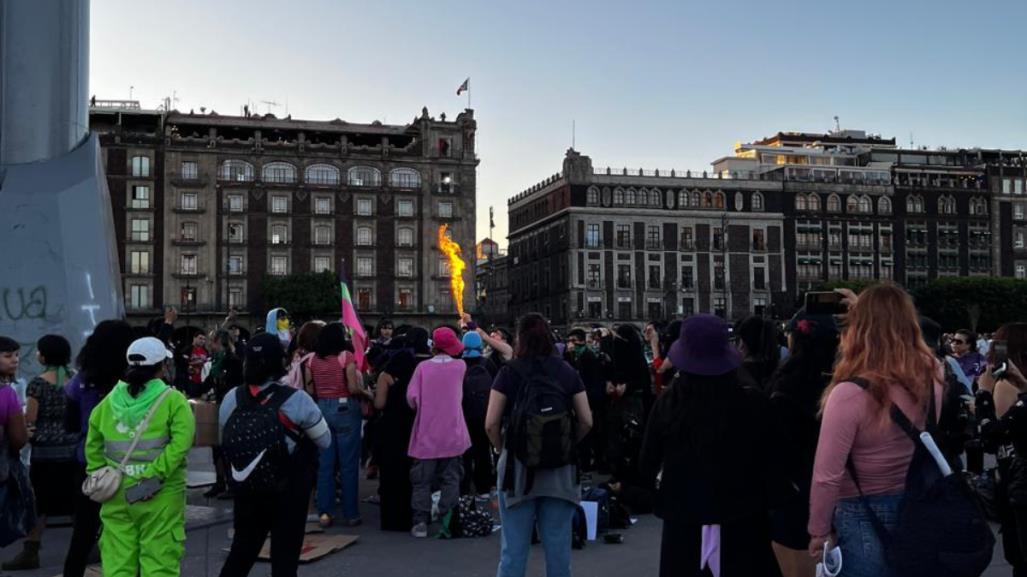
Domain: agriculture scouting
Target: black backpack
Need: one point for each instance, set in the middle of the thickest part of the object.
(941, 530)
(541, 429)
(477, 387)
(254, 441)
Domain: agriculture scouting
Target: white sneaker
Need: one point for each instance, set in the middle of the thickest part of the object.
(420, 531)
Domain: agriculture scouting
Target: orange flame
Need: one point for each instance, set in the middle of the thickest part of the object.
(451, 249)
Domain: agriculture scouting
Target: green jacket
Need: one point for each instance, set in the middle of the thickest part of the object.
(162, 449)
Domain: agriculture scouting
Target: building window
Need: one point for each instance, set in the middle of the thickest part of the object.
(364, 176)
(322, 264)
(445, 210)
(759, 278)
(718, 238)
(279, 265)
(279, 172)
(405, 237)
(1018, 239)
(759, 239)
(189, 201)
(629, 197)
(914, 204)
(1018, 186)
(593, 276)
(687, 277)
(364, 235)
(188, 264)
(444, 271)
(279, 204)
(720, 307)
(654, 276)
(695, 199)
(140, 297)
(592, 238)
(618, 196)
(323, 174)
(884, 205)
(190, 171)
(759, 306)
(235, 203)
(446, 184)
(405, 300)
(623, 236)
(235, 232)
(718, 277)
(322, 235)
(405, 208)
(592, 197)
(1007, 185)
(236, 171)
(364, 299)
(946, 205)
(978, 207)
(141, 166)
(139, 262)
(322, 205)
(801, 202)
(365, 266)
(1017, 211)
(279, 234)
(654, 198)
(834, 203)
(757, 202)
(140, 230)
(235, 298)
(624, 276)
(652, 238)
(140, 197)
(188, 232)
(405, 267)
(719, 201)
(852, 204)
(235, 265)
(364, 207)
(404, 178)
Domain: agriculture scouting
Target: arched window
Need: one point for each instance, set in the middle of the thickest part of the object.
(757, 201)
(279, 234)
(852, 204)
(719, 200)
(629, 197)
(739, 201)
(914, 203)
(707, 199)
(405, 236)
(696, 202)
(654, 198)
(814, 202)
(643, 197)
(834, 203)
(978, 207)
(592, 197)
(404, 178)
(364, 235)
(618, 196)
(280, 172)
(884, 205)
(364, 176)
(322, 235)
(801, 202)
(322, 174)
(236, 170)
(865, 205)
(682, 199)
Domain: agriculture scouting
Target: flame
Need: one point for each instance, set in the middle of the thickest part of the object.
(451, 249)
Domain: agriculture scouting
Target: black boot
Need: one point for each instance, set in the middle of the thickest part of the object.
(27, 559)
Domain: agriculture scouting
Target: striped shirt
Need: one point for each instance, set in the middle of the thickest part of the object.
(329, 375)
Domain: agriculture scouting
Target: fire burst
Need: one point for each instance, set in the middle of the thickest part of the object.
(451, 249)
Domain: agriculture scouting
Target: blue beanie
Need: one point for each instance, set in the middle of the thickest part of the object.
(472, 345)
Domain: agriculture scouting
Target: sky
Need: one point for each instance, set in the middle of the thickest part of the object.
(654, 84)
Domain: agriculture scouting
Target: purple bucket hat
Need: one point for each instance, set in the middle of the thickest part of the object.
(703, 348)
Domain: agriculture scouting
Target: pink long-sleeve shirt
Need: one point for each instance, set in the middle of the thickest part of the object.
(436, 392)
(880, 450)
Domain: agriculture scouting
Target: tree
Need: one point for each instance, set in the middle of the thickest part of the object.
(983, 303)
(306, 296)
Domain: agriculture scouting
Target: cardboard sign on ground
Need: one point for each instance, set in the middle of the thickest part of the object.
(315, 546)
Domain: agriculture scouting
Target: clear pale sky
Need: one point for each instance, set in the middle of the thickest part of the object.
(657, 84)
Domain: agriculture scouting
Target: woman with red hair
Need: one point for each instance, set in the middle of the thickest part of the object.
(881, 345)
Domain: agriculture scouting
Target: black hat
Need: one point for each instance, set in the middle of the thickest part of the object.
(265, 348)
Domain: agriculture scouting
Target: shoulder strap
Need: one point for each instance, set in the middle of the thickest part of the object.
(141, 427)
(899, 417)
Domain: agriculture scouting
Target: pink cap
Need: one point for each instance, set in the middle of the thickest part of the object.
(445, 340)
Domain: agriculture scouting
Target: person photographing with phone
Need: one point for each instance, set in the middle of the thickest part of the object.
(139, 436)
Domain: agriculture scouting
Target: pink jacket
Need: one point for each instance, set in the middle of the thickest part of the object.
(436, 392)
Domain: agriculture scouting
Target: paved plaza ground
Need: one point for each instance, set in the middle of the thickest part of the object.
(380, 554)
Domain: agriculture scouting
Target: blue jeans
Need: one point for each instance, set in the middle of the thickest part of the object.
(862, 552)
(553, 517)
(344, 420)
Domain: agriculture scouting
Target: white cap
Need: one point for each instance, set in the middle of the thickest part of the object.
(147, 351)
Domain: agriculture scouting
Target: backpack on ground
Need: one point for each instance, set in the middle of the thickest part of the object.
(941, 530)
(477, 388)
(254, 441)
(541, 430)
(470, 520)
(601, 497)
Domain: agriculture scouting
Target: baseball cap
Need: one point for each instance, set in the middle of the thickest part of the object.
(445, 340)
(265, 347)
(147, 351)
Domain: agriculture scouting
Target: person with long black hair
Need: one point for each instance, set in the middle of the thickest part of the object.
(149, 426)
(795, 391)
(101, 363)
(756, 339)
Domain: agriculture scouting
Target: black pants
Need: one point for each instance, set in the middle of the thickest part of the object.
(85, 531)
(283, 516)
(745, 549)
(478, 461)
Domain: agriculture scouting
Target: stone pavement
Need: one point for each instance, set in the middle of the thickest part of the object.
(380, 554)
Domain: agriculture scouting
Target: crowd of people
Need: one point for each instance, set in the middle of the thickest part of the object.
(761, 446)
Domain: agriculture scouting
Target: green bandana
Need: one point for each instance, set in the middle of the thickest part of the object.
(60, 375)
(128, 410)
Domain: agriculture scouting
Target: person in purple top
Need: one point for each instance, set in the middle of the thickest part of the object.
(101, 363)
(964, 350)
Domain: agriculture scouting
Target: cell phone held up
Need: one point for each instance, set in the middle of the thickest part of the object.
(999, 360)
(824, 303)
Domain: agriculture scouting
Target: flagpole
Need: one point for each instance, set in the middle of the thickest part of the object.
(468, 95)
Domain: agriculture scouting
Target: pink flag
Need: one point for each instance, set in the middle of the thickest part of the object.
(352, 322)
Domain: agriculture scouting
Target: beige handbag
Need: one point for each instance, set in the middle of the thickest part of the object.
(104, 482)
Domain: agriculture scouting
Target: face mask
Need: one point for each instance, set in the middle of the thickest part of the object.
(580, 349)
(283, 324)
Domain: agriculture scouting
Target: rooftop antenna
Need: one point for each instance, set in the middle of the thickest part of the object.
(131, 89)
(837, 124)
(269, 104)
(911, 147)
(574, 133)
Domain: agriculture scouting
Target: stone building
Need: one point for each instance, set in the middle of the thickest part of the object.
(207, 205)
